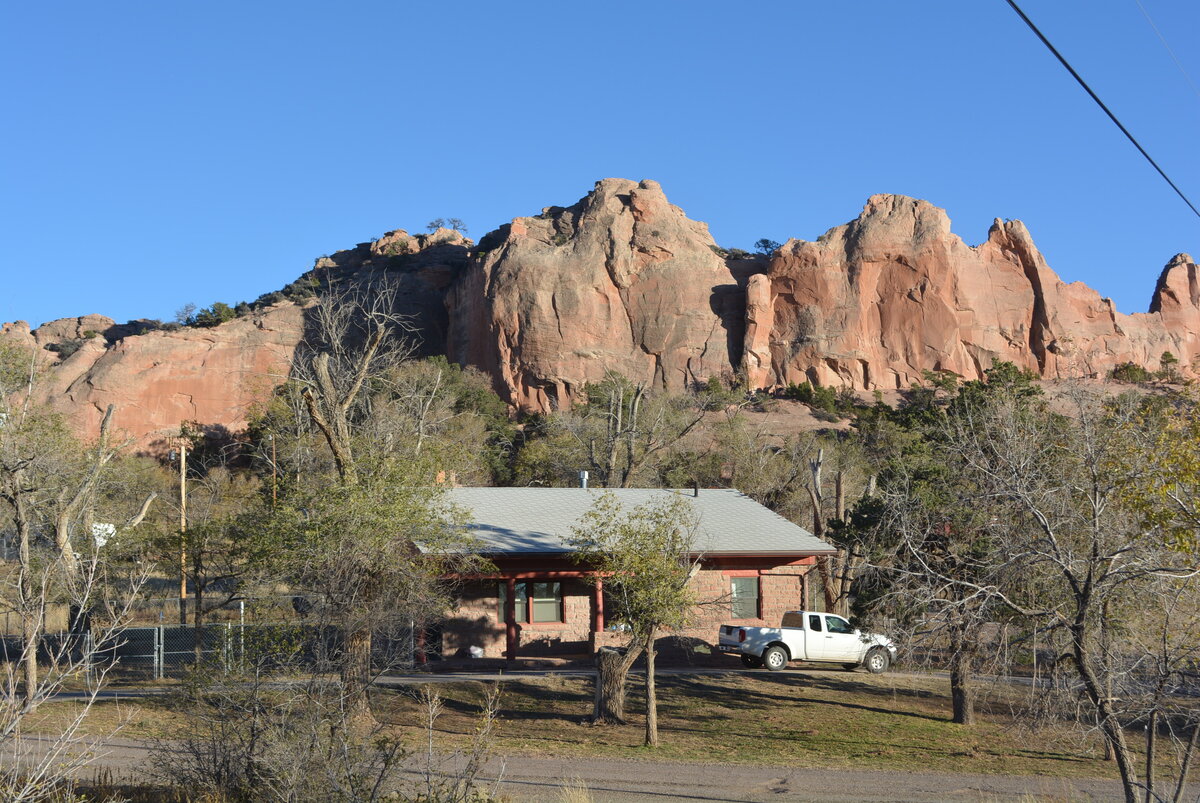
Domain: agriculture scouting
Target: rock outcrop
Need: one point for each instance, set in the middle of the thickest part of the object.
(622, 281)
(160, 379)
(878, 301)
(420, 266)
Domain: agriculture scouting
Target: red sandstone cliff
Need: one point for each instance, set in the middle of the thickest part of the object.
(160, 379)
(874, 303)
(621, 281)
(624, 281)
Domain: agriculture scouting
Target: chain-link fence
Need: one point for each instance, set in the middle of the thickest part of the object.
(277, 631)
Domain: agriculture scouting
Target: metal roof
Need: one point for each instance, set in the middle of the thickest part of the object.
(515, 521)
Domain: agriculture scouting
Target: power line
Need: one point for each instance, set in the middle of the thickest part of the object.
(1163, 39)
(1100, 103)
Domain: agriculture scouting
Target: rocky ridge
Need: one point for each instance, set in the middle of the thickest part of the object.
(624, 281)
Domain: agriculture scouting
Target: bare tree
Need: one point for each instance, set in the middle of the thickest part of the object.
(1059, 482)
(356, 334)
(617, 433)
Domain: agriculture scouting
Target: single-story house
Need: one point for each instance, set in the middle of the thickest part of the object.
(539, 602)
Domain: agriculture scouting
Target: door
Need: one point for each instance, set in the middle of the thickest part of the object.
(842, 642)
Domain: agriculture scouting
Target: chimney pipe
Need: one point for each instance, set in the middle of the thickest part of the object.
(696, 488)
(583, 478)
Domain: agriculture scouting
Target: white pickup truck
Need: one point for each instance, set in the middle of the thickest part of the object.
(808, 636)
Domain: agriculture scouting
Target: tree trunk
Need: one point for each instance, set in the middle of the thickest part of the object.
(651, 694)
(1151, 732)
(1110, 724)
(826, 583)
(960, 682)
(30, 600)
(611, 670)
(356, 671)
(1188, 750)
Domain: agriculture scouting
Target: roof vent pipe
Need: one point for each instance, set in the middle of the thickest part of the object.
(583, 478)
(696, 488)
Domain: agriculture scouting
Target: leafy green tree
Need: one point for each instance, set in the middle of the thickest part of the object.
(215, 315)
(374, 555)
(644, 556)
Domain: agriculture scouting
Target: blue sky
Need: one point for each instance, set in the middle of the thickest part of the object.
(159, 153)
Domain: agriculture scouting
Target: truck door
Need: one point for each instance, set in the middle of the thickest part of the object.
(841, 643)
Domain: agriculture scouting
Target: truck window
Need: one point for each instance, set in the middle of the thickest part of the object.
(837, 624)
(814, 623)
(792, 619)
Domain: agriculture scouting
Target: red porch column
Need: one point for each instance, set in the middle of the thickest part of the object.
(598, 606)
(510, 619)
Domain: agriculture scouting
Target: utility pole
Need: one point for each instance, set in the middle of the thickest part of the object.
(182, 531)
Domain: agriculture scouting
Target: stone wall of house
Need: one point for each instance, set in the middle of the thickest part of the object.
(479, 622)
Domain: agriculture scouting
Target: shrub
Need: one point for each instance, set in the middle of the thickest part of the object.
(64, 348)
(818, 398)
(215, 315)
(1131, 372)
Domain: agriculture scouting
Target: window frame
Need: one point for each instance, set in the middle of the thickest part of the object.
(524, 613)
(734, 599)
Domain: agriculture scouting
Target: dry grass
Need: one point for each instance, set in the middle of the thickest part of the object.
(801, 718)
(798, 718)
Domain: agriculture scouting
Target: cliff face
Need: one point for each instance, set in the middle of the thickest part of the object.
(621, 281)
(215, 376)
(874, 303)
(160, 379)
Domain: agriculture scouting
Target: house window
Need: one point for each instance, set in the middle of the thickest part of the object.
(745, 597)
(535, 602)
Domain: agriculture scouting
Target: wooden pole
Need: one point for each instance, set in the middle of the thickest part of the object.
(182, 531)
(510, 619)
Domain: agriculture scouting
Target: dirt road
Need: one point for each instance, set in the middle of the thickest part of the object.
(542, 780)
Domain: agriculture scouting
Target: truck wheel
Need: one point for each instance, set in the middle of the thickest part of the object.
(751, 661)
(775, 658)
(877, 661)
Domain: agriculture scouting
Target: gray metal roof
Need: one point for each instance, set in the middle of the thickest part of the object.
(514, 521)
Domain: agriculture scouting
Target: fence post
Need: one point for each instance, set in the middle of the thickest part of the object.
(158, 653)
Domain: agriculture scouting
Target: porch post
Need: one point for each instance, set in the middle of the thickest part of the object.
(510, 619)
(804, 592)
(598, 606)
